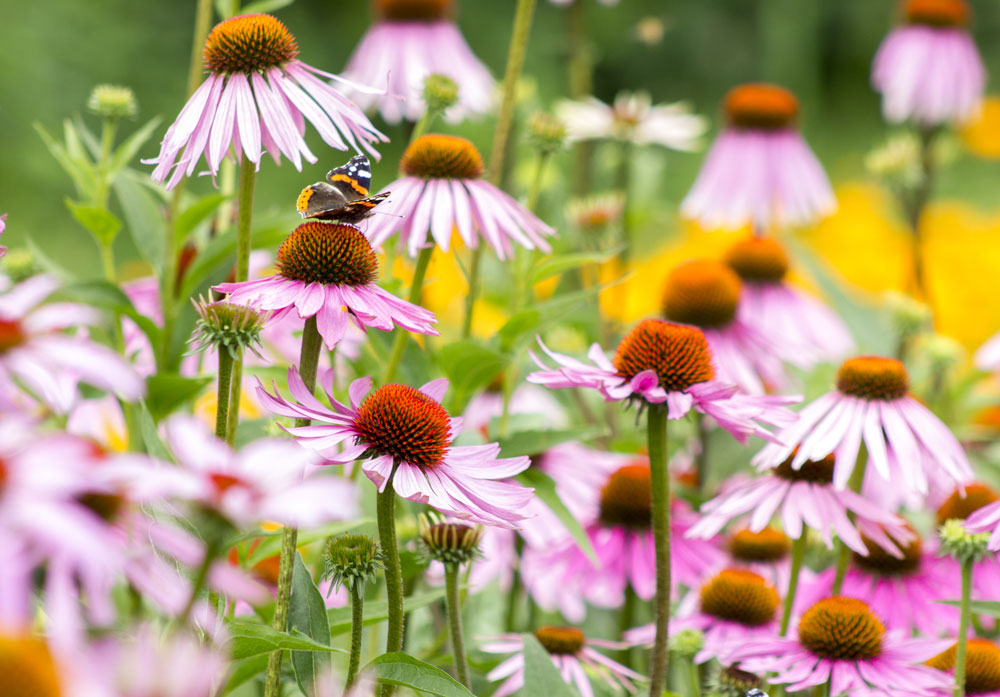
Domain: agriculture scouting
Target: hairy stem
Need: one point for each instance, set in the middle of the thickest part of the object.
(963, 627)
(656, 438)
(357, 624)
(454, 607)
(386, 514)
(222, 395)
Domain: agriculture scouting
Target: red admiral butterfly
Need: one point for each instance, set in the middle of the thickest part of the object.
(343, 196)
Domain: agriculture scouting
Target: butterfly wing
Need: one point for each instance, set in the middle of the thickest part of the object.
(319, 200)
(354, 178)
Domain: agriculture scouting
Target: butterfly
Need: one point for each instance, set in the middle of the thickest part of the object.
(343, 196)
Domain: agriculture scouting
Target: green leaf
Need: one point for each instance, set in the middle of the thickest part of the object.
(977, 607)
(221, 251)
(545, 489)
(100, 222)
(108, 296)
(80, 171)
(535, 442)
(245, 671)
(378, 611)
(541, 677)
(129, 148)
(401, 669)
(151, 440)
(307, 614)
(271, 544)
(520, 325)
(194, 214)
(252, 639)
(166, 392)
(266, 6)
(143, 217)
(469, 365)
(555, 265)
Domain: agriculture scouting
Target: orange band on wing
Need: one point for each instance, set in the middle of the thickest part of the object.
(303, 201)
(353, 182)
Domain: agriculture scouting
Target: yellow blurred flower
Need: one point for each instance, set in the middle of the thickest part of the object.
(981, 135)
(205, 406)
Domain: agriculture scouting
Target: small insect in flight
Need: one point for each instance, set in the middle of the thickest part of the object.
(343, 196)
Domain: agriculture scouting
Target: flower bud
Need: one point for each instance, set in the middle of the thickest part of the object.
(352, 560)
(963, 545)
(229, 327)
(548, 132)
(440, 92)
(113, 102)
(449, 542)
(687, 642)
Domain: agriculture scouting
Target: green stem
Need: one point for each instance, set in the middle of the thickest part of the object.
(798, 554)
(626, 620)
(386, 515)
(656, 439)
(701, 459)
(423, 124)
(963, 627)
(505, 118)
(308, 363)
(200, 579)
(357, 624)
(694, 678)
(625, 185)
(454, 607)
(222, 398)
(248, 179)
(416, 289)
(514, 594)
(843, 552)
(914, 208)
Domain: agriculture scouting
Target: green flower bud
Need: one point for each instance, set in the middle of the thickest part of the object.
(686, 643)
(548, 132)
(113, 102)
(226, 326)
(449, 543)
(909, 316)
(440, 92)
(962, 544)
(352, 560)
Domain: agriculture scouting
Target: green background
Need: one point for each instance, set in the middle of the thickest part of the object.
(55, 51)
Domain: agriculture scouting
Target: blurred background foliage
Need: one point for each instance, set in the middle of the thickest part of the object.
(55, 51)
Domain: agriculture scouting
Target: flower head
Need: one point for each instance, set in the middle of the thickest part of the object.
(443, 191)
(571, 652)
(221, 325)
(660, 361)
(759, 170)
(594, 213)
(411, 40)
(928, 69)
(406, 437)
(352, 560)
(36, 353)
(632, 118)
(840, 641)
(27, 668)
(257, 97)
(982, 666)
(328, 271)
(906, 444)
(450, 542)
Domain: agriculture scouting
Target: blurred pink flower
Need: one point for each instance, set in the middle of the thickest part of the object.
(443, 192)
(632, 118)
(988, 355)
(49, 363)
(256, 98)
(929, 69)
(3, 226)
(572, 653)
(759, 171)
(328, 272)
(906, 444)
(407, 43)
(659, 362)
(407, 435)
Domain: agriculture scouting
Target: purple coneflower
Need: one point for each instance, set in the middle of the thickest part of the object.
(960, 505)
(982, 667)
(929, 69)
(707, 294)
(34, 351)
(407, 435)
(905, 442)
(730, 608)
(410, 40)
(811, 332)
(841, 642)
(443, 191)
(801, 497)
(759, 171)
(328, 271)
(571, 652)
(256, 98)
(660, 361)
(633, 119)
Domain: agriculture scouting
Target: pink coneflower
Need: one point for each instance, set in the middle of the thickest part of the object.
(616, 515)
(328, 271)
(707, 294)
(841, 642)
(3, 226)
(811, 332)
(988, 355)
(443, 191)
(407, 435)
(759, 170)
(801, 497)
(632, 118)
(34, 352)
(982, 667)
(960, 505)
(661, 361)
(929, 69)
(905, 589)
(571, 652)
(410, 40)
(905, 442)
(256, 98)
(265, 481)
(730, 608)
